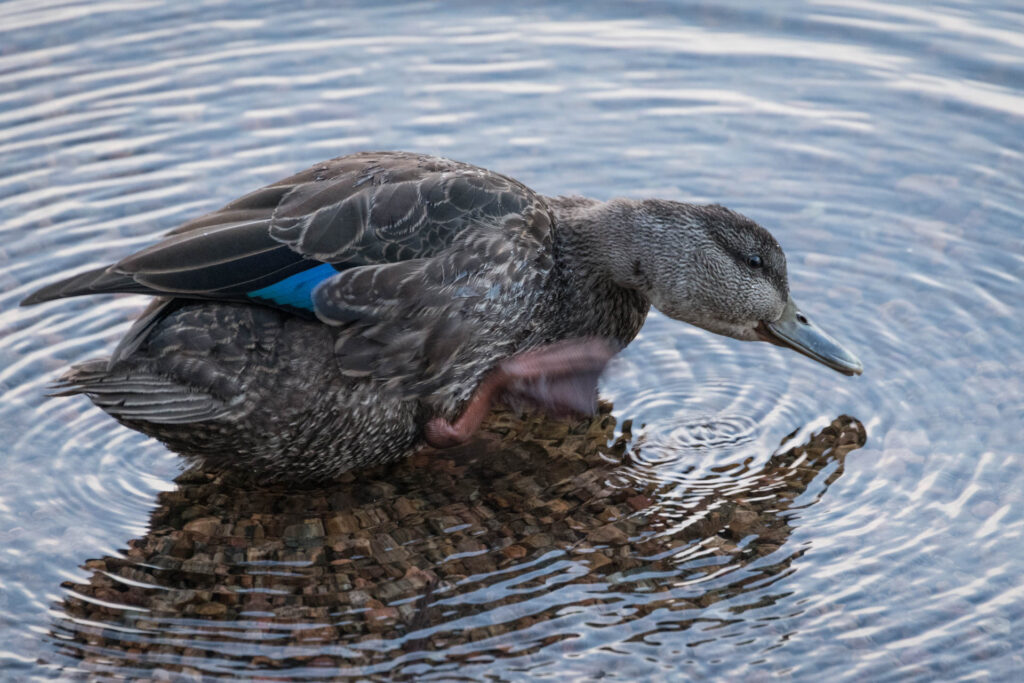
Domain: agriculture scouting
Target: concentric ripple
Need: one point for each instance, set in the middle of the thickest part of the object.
(438, 561)
(714, 432)
(723, 522)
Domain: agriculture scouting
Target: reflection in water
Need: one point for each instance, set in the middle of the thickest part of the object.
(445, 560)
(880, 142)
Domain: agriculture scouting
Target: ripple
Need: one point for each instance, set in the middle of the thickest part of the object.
(380, 572)
(717, 432)
(878, 142)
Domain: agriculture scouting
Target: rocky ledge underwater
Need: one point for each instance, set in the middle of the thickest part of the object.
(445, 559)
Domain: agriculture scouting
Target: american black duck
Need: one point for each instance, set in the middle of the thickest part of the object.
(380, 301)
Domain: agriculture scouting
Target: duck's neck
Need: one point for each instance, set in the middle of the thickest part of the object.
(607, 240)
(597, 254)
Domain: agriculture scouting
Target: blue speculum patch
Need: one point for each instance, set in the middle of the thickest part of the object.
(296, 290)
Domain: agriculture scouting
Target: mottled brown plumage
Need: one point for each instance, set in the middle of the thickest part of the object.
(325, 321)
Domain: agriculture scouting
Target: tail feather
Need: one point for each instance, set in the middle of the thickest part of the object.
(103, 280)
(137, 394)
(79, 377)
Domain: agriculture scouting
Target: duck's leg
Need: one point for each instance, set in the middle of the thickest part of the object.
(560, 377)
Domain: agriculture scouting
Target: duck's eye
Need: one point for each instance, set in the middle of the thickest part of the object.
(754, 261)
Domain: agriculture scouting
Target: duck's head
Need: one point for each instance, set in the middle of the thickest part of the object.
(714, 268)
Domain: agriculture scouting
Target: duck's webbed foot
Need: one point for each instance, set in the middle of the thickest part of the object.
(560, 377)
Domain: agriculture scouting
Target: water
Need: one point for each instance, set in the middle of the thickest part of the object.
(880, 144)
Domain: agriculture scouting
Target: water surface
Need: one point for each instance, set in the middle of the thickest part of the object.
(879, 143)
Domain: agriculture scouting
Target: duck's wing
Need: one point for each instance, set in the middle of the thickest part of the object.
(429, 266)
(436, 322)
(275, 245)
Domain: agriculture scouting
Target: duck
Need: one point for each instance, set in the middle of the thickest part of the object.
(380, 303)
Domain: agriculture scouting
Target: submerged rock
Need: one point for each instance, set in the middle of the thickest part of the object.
(401, 561)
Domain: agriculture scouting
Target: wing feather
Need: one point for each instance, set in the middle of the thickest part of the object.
(418, 322)
(362, 209)
(425, 265)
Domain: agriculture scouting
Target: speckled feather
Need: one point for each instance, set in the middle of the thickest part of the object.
(435, 259)
(442, 265)
(316, 325)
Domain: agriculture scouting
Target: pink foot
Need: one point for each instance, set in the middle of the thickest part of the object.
(560, 377)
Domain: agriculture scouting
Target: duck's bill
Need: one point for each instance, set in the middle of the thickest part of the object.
(793, 330)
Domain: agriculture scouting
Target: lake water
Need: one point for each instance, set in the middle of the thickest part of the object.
(672, 538)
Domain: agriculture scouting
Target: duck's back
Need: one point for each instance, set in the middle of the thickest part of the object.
(277, 244)
(369, 290)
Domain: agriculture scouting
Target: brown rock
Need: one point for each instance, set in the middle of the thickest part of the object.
(514, 552)
(212, 609)
(342, 523)
(598, 559)
(539, 541)
(744, 521)
(608, 534)
(307, 531)
(404, 507)
(207, 526)
(638, 502)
